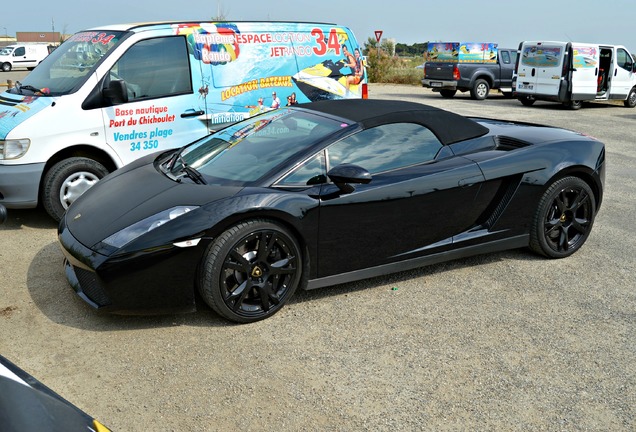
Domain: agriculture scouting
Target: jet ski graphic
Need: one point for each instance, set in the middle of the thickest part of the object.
(326, 80)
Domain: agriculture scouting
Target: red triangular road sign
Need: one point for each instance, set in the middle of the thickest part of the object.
(378, 35)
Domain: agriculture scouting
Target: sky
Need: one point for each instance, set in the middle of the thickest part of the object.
(506, 22)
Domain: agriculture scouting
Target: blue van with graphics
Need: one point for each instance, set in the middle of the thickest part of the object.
(110, 95)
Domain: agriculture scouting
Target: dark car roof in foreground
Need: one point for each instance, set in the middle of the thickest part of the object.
(449, 127)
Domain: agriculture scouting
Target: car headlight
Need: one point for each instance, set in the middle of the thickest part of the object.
(135, 230)
(13, 149)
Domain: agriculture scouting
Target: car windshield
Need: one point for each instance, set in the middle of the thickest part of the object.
(69, 65)
(247, 151)
(6, 51)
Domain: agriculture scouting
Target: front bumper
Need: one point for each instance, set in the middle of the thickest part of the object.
(145, 282)
(20, 184)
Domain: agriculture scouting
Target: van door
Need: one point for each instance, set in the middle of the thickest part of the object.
(540, 68)
(23, 57)
(163, 110)
(623, 78)
(585, 71)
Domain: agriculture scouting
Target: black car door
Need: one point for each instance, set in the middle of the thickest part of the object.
(413, 206)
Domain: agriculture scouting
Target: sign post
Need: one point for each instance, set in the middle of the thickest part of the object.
(378, 36)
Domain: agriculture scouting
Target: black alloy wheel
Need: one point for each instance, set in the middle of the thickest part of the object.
(563, 219)
(250, 271)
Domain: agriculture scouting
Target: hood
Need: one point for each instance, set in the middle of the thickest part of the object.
(129, 195)
(15, 109)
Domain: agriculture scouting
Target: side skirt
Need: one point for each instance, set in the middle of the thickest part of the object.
(495, 246)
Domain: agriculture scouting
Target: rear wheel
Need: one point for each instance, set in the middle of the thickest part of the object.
(563, 219)
(250, 271)
(66, 181)
(480, 90)
(630, 102)
(574, 105)
(527, 101)
(448, 93)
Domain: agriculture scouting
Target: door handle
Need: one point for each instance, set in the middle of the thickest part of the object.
(192, 114)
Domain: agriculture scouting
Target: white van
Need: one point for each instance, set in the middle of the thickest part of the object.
(110, 95)
(22, 56)
(571, 72)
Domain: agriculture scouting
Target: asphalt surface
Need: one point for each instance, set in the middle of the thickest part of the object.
(507, 341)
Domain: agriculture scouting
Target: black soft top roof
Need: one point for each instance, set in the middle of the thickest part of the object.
(447, 126)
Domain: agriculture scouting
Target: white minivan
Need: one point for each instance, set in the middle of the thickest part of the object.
(110, 95)
(572, 72)
(23, 56)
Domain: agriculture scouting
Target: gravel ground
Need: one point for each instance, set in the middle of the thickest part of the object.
(507, 341)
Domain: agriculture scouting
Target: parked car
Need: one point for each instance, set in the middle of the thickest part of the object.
(469, 67)
(325, 193)
(28, 405)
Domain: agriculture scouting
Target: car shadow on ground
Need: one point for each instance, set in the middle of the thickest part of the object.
(52, 295)
(32, 218)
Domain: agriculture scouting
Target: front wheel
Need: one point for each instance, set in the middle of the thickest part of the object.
(250, 271)
(448, 93)
(66, 181)
(630, 102)
(6, 67)
(480, 90)
(563, 220)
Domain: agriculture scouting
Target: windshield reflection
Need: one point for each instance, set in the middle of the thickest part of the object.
(68, 66)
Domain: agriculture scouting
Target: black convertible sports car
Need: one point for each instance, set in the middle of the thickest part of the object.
(321, 194)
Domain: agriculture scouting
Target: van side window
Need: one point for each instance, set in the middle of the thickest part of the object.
(624, 60)
(20, 51)
(155, 68)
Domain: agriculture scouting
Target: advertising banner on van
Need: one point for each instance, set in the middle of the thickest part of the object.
(248, 68)
(541, 56)
(585, 57)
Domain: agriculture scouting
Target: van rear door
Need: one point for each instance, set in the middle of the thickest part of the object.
(540, 68)
(584, 71)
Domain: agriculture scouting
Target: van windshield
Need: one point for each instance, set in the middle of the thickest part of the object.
(6, 51)
(66, 68)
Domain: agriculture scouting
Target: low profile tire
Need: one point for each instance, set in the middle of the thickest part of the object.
(563, 219)
(250, 271)
(526, 101)
(66, 181)
(630, 102)
(480, 90)
(6, 67)
(448, 93)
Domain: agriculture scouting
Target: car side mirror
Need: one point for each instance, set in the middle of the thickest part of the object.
(344, 175)
(116, 91)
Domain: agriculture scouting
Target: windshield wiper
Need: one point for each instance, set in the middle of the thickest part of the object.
(191, 172)
(28, 87)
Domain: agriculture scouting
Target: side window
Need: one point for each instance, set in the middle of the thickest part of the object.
(155, 68)
(505, 57)
(308, 173)
(20, 51)
(386, 147)
(624, 59)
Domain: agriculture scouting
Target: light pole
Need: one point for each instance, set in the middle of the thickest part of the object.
(6, 35)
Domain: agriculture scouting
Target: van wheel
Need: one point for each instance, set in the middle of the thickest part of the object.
(574, 105)
(6, 67)
(527, 101)
(447, 93)
(480, 90)
(630, 102)
(66, 181)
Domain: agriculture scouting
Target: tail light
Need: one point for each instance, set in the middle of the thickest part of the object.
(456, 75)
(365, 91)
